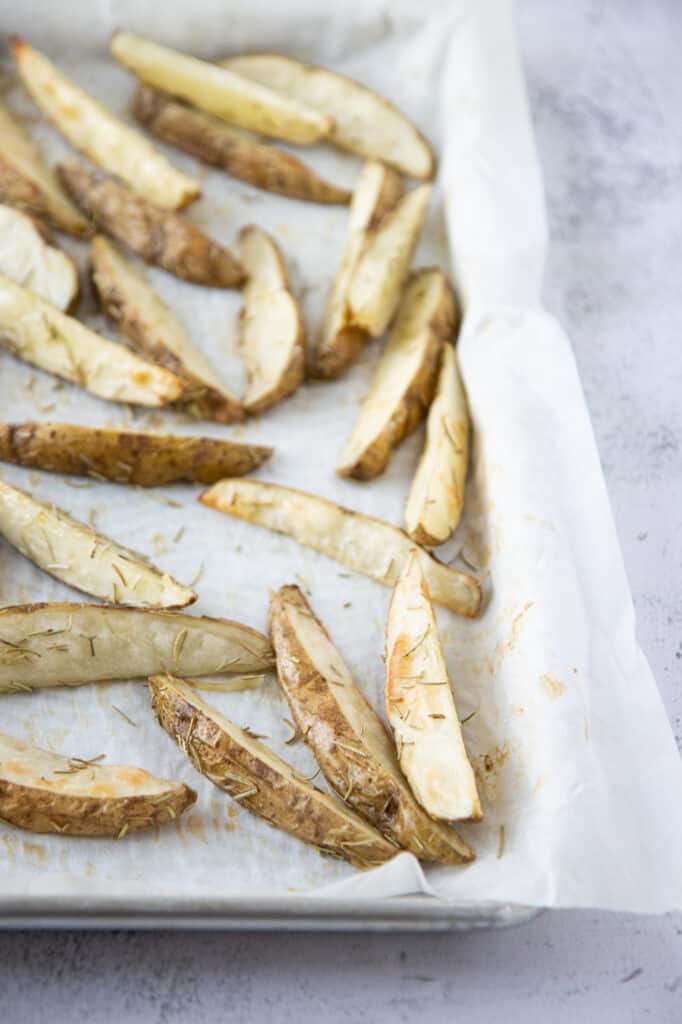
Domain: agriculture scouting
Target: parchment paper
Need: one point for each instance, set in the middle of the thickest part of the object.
(578, 768)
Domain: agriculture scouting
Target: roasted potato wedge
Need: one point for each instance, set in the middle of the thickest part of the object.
(74, 644)
(152, 329)
(158, 236)
(421, 707)
(347, 737)
(210, 87)
(364, 122)
(29, 257)
(434, 505)
(27, 183)
(35, 331)
(45, 792)
(339, 340)
(367, 545)
(260, 780)
(271, 322)
(91, 128)
(244, 157)
(73, 553)
(405, 376)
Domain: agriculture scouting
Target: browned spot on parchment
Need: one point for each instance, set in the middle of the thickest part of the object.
(552, 687)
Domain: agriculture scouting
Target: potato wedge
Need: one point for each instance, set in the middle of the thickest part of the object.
(244, 157)
(434, 505)
(106, 140)
(152, 329)
(339, 340)
(364, 122)
(49, 793)
(64, 644)
(362, 543)
(27, 183)
(271, 324)
(260, 780)
(35, 331)
(126, 456)
(421, 707)
(347, 737)
(73, 553)
(404, 378)
(378, 277)
(158, 236)
(29, 257)
(220, 92)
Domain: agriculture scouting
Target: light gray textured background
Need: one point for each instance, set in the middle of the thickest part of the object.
(606, 90)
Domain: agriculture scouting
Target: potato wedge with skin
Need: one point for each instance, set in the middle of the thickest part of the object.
(27, 183)
(261, 781)
(107, 141)
(158, 236)
(72, 552)
(271, 324)
(364, 122)
(362, 543)
(65, 644)
(29, 257)
(215, 143)
(434, 505)
(339, 340)
(151, 328)
(218, 91)
(377, 283)
(48, 793)
(35, 331)
(347, 737)
(404, 378)
(421, 707)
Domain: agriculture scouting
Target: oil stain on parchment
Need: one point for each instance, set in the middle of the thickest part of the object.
(552, 687)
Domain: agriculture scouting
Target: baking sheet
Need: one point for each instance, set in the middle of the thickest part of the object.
(576, 758)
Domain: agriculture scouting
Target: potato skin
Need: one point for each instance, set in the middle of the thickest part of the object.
(18, 190)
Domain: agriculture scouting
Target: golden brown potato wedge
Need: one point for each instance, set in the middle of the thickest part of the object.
(347, 737)
(210, 87)
(91, 128)
(73, 553)
(405, 376)
(29, 257)
(421, 707)
(260, 780)
(35, 331)
(364, 122)
(271, 324)
(27, 183)
(339, 340)
(152, 329)
(45, 792)
(244, 157)
(367, 545)
(65, 644)
(434, 505)
(158, 236)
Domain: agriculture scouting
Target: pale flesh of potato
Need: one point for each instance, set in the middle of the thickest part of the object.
(35, 331)
(421, 707)
(220, 92)
(153, 330)
(347, 737)
(107, 141)
(434, 505)
(405, 376)
(261, 781)
(49, 793)
(272, 329)
(365, 544)
(73, 553)
(244, 157)
(30, 258)
(364, 122)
